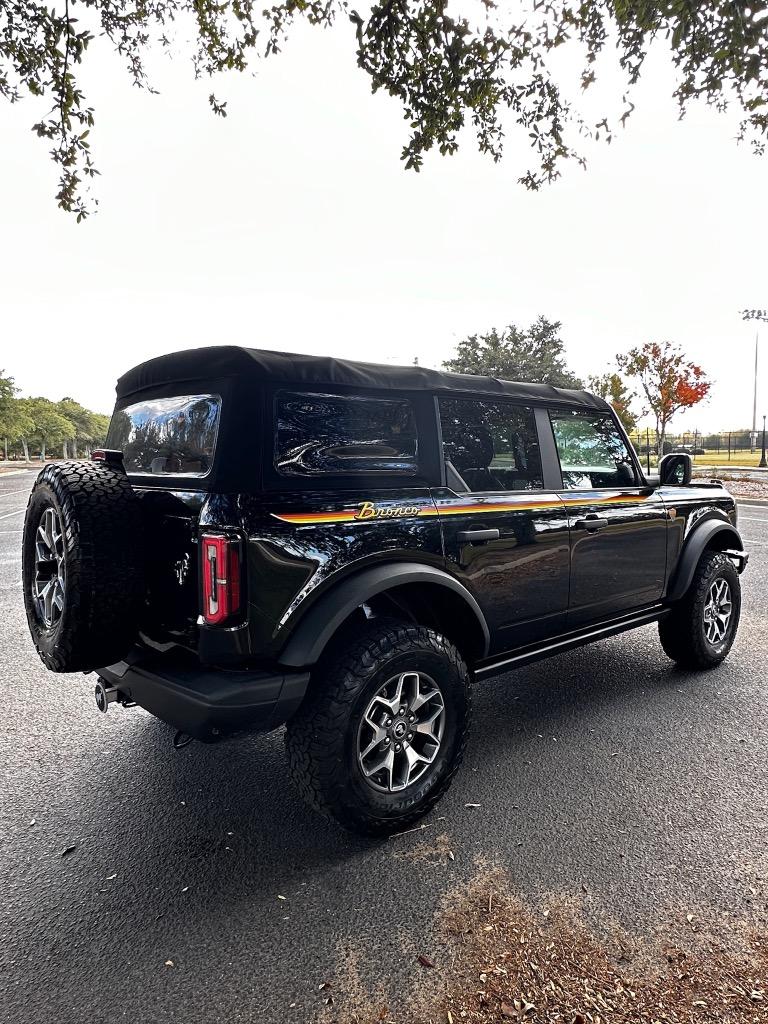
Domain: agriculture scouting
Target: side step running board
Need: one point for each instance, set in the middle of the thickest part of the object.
(559, 645)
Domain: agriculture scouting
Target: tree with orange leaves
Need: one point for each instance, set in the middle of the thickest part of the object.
(668, 380)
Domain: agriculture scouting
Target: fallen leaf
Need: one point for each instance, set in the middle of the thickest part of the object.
(424, 960)
(169, 963)
(282, 897)
(507, 1010)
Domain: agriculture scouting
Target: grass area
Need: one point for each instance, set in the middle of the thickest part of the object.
(741, 458)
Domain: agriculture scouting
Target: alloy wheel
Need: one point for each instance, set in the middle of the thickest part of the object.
(718, 609)
(401, 732)
(49, 583)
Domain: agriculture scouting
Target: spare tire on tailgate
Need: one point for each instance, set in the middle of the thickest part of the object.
(83, 572)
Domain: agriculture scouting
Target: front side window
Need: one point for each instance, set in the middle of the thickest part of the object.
(490, 445)
(321, 435)
(592, 451)
(167, 436)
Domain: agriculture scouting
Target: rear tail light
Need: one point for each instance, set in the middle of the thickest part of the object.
(220, 569)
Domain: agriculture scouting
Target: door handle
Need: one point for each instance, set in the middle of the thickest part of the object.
(592, 523)
(477, 536)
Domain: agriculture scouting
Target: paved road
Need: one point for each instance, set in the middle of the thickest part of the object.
(604, 770)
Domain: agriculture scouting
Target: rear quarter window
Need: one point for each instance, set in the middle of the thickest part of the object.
(322, 435)
(167, 436)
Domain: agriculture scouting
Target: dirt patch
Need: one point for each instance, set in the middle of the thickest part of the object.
(496, 958)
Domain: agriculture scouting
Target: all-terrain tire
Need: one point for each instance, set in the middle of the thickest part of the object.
(683, 632)
(323, 737)
(96, 616)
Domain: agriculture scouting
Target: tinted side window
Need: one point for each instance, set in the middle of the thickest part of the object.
(319, 435)
(592, 451)
(491, 445)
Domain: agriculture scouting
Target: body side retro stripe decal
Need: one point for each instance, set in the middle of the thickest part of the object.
(369, 511)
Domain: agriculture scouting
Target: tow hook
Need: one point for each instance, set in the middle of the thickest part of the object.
(106, 695)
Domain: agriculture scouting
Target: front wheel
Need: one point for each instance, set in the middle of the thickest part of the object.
(699, 631)
(382, 733)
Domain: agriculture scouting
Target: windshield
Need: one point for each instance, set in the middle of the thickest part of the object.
(167, 436)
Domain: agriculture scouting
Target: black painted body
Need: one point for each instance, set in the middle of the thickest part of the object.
(542, 573)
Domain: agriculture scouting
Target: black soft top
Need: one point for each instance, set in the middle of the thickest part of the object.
(221, 361)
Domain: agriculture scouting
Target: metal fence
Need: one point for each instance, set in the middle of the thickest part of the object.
(726, 446)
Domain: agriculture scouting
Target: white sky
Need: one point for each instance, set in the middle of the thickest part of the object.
(291, 224)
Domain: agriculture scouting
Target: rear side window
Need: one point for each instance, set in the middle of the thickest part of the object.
(167, 436)
(592, 451)
(320, 435)
(490, 445)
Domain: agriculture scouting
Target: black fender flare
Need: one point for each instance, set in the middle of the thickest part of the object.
(699, 539)
(308, 640)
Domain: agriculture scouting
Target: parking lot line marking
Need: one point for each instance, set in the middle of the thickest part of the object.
(9, 514)
(5, 494)
(753, 519)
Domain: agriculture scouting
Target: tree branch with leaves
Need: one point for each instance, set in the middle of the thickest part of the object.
(448, 64)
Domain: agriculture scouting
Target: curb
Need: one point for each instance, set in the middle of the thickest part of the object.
(758, 502)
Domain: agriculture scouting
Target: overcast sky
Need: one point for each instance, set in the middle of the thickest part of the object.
(292, 225)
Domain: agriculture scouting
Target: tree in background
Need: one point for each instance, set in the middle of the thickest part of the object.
(50, 428)
(90, 427)
(444, 69)
(612, 388)
(668, 380)
(535, 354)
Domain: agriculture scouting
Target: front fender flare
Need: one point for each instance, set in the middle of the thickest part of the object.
(700, 538)
(316, 628)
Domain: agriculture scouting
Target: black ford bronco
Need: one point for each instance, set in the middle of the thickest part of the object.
(346, 548)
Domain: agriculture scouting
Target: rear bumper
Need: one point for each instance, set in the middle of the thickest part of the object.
(207, 703)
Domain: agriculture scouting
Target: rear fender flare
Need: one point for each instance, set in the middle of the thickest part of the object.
(316, 628)
(700, 539)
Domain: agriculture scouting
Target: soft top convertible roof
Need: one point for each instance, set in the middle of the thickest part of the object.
(218, 361)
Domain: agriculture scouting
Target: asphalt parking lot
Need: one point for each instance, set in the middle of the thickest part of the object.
(198, 887)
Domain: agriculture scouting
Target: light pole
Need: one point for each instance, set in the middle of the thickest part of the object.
(761, 315)
(763, 462)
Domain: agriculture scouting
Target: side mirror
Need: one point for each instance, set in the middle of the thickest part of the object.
(675, 469)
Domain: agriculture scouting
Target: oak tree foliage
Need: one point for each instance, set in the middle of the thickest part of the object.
(448, 64)
(534, 354)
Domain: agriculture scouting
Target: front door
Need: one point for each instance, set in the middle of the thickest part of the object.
(618, 524)
(505, 536)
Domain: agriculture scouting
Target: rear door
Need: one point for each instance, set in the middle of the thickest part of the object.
(505, 534)
(618, 524)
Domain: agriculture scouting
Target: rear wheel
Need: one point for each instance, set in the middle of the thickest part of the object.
(82, 566)
(700, 630)
(382, 733)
